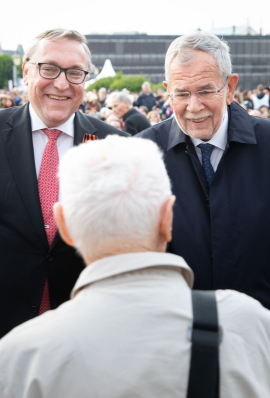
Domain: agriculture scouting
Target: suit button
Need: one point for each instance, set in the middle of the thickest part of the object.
(49, 257)
(34, 308)
(207, 202)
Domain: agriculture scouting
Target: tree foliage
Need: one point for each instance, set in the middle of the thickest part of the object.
(5, 70)
(118, 82)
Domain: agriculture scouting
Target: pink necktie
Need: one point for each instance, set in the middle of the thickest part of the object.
(48, 187)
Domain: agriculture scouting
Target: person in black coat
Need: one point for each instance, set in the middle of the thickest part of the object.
(133, 120)
(146, 98)
(218, 159)
(27, 259)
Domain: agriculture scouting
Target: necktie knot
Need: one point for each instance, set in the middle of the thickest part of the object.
(207, 150)
(52, 134)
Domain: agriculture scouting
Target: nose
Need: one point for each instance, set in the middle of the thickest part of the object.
(61, 82)
(194, 104)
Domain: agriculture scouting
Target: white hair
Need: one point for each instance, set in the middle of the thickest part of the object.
(122, 97)
(185, 46)
(112, 190)
(146, 84)
(57, 34)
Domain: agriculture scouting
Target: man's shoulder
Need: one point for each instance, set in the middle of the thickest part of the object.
(235, 311)
(5, 114)
(103, 127)
(155, 132)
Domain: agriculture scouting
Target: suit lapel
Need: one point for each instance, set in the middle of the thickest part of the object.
(19, 147)
(82, 126)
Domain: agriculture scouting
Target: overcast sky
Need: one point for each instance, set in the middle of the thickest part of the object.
(22, 20)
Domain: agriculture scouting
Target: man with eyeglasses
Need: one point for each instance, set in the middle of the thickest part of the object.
(218, 159)
(37, 269)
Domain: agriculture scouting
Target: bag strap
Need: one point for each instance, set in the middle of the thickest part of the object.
(205, 337)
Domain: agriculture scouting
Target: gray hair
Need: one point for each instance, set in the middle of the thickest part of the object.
(122, 97)
(184, 47)
(56, 34)
(146, 84)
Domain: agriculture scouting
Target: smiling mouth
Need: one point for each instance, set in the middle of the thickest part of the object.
(58, 98)
(202, 119)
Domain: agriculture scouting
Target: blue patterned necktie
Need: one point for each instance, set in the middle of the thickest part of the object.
(207, 150)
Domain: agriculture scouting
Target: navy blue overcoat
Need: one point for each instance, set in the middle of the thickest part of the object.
(223, 232)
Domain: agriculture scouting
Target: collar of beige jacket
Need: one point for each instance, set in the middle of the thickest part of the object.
(122, 263)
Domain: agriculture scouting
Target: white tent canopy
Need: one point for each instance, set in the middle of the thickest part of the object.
(107, 71)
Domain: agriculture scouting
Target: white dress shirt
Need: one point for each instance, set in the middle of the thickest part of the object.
(219, 140)
(65, 140)
(124, 334)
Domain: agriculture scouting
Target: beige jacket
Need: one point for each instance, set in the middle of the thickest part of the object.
(124, 334)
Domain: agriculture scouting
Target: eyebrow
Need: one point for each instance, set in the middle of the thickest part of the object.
(208, 86)
(70, 67)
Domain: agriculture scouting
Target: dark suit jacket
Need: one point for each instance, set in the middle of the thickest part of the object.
(223, 233)
(135, 122)
(25, 257)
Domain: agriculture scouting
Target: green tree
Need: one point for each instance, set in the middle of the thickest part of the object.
(5, 70)
(20, 71)
(105, 82)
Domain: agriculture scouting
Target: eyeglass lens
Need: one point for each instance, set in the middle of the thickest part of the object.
(52, 71)
(202, 96)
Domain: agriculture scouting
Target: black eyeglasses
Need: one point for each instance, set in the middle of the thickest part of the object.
(50, 71)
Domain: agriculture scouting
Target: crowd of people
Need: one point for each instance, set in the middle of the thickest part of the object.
(134, 266)
(154, 106)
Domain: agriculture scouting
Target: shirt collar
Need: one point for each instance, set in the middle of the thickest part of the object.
(240, 128)
(122, 263)
(219, 139)
(38, 124)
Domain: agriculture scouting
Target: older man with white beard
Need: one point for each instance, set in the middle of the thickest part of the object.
(125, 331)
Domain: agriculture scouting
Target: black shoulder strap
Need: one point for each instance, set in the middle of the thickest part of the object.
(205, 337)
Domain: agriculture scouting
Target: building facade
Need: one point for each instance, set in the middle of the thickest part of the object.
(145, 54)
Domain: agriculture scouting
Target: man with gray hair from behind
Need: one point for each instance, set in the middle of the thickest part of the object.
(124, 333)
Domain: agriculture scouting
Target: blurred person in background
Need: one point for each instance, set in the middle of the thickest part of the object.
(92, 102)
(111, 117)
(102, 95)
(105, 112)
(255, 112)
(117, 123)
(265, 111)
(15, 96)
(153, 117)
(133, 120)
(7, 102)
(143, 110)
(146, 98)
(247, 99)
(262, 98)
(166, 110)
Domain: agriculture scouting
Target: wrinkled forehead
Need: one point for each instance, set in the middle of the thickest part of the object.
(198, 69)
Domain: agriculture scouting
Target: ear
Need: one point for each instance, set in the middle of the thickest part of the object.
(166, 219)
(61, 223)
(232, 82)
(165, 84)
(25, 73)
